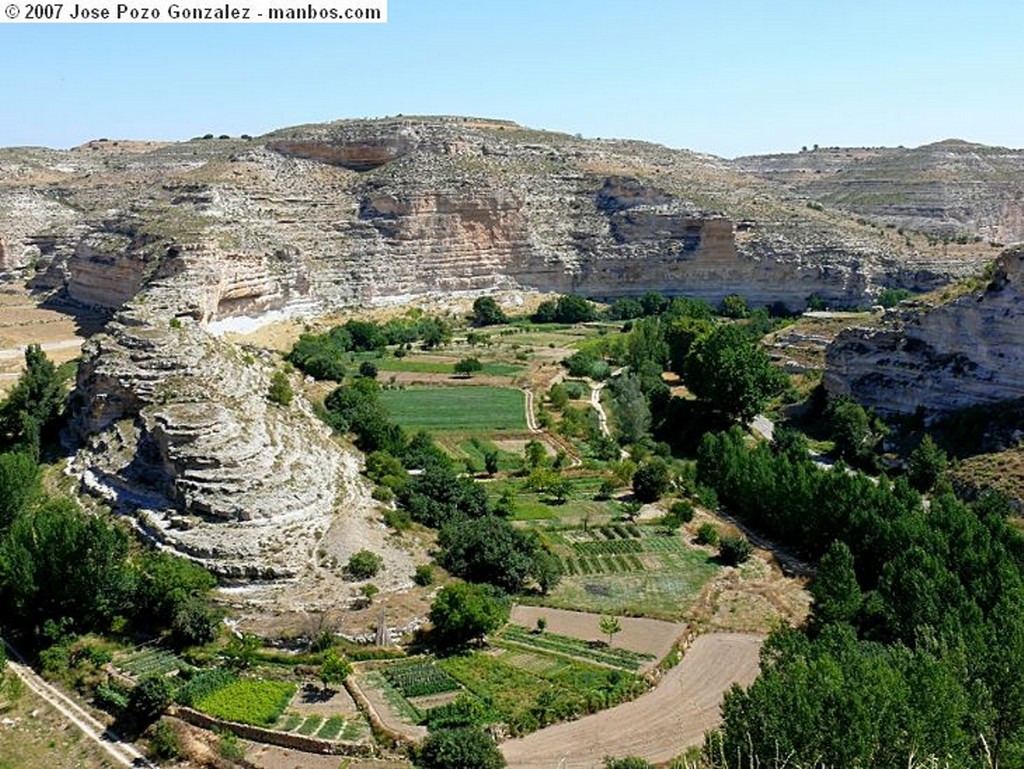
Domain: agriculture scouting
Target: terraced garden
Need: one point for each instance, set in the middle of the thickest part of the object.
(516, 636)
(523, 685)
(150, 662)
(623, 568)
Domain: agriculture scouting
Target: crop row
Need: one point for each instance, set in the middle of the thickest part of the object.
(663, 544)
(609, 564)
(151, 662)
(619, 531)
(623, 658)
(420, 679)
(608, 547)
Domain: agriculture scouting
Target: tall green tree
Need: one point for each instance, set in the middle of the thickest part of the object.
(34, 405)
(632, 413)
(20, 486)
(731, 373)
(926, 465)
(486, 312)
(463, 612)
(835, 590)
(467, 747)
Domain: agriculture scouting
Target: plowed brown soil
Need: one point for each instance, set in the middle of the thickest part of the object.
(657, 726)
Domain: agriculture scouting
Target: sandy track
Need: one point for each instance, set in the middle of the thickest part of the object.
(657, 726)
(123, 753)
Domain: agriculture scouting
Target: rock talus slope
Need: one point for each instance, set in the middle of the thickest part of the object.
(967, 352)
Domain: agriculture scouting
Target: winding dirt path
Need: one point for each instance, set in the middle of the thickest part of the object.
(123, 753)
(657, 726)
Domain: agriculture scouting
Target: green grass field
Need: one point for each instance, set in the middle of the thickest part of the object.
(456, 408)
(249, 701)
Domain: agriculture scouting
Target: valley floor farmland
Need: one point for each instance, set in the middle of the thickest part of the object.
(658, 725)
(456, 408)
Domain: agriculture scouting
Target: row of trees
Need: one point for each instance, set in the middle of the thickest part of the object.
(914, 649)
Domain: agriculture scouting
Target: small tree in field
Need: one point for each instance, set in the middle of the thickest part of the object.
(542, 624)
(334, 669)
(610, 626)
(468, 366)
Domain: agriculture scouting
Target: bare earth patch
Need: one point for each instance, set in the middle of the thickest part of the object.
(648, 636)
(658, 725)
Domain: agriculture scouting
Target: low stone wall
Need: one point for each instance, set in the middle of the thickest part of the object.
(272, 737)
(380, 730)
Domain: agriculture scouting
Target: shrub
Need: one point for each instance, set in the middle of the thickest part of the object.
(149, 699)
(629, 762)
(164, 743)
(734, 550)
(230, 747)
(368, 369)
(707, 534)
(424, 575)
(364, 565)
(280, 391)
(681, 511)
(468, 366)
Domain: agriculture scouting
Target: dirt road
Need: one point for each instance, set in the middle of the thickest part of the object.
(657, 726)
(123, 753)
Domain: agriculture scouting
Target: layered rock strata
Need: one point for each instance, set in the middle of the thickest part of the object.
(967, 352)
(176, 427)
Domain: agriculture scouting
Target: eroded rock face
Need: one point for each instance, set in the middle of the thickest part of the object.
(373, 211)
(176, 426)
(965, 353)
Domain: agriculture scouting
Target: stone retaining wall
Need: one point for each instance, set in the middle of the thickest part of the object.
(272, 737)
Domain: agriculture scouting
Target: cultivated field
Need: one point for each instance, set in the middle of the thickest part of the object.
(457, 408)
(647, 636)
(658, 725)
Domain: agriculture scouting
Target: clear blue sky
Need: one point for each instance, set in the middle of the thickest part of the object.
(724, 77)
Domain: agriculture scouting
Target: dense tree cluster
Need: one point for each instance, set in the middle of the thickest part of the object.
(323, 356)
(486, 312)
(916, 641)
(568, 308)
(64, 571)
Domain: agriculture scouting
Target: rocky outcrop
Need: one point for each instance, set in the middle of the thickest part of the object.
(967, 352)
(177, 429)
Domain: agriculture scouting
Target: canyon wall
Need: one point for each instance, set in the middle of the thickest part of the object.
(967, 352)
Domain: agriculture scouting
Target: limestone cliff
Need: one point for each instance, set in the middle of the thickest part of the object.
(369, 211)
(174, 423)
(966, 352)
(176, 428)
